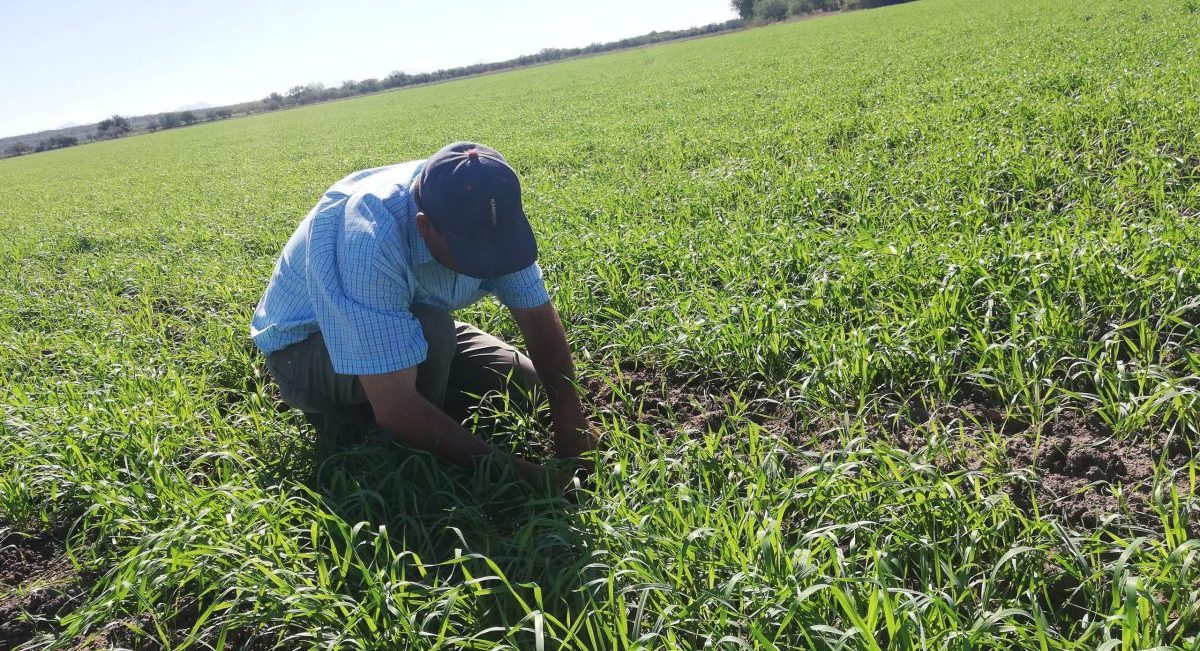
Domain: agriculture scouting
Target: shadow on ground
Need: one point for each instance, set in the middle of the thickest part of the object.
(458, 526)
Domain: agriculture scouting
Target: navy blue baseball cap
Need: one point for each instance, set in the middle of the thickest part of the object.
(473, 198)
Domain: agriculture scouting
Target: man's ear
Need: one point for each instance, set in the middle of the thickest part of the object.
(424, 226)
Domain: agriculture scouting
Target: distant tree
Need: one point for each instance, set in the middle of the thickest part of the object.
(744, 8)
(828, 5)
(57, 142)
(316, 92)
(153, 125)
(773, 10)
(169, 120)
(188, 117)
(218, 114)
(298, 95)
(396, 79)
(17, 148)
(113, 127)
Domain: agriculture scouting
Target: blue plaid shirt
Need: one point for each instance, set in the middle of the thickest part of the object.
(355, 266)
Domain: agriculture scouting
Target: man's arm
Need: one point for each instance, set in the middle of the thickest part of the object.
(547, 344)
(415, 422)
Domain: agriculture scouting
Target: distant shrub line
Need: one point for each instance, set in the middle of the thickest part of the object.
(117, 125)
(300, 95)
(46, 144)
(776, 10)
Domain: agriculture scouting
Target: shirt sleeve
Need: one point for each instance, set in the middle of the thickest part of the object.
(521, 290)
(361, 292)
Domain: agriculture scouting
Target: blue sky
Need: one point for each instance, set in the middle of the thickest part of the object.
(78, 61)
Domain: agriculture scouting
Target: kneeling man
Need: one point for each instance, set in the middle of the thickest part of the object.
(356, 324)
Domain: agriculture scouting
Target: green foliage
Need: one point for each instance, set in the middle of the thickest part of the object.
(170, 120)
(112, 127)
(772, 10)
(17, 148)
(56, 142)
(744, 8)
(866, 221)
(776, 10)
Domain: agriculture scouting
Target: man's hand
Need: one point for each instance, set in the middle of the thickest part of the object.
(550, 476)
(547, 344)
(415, 422)
(573, 434)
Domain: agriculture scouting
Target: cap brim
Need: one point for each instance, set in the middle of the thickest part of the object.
(494, 257)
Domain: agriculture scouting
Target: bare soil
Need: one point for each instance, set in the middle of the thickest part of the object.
(695, 404)
(37, 585)
(1088, 474)
(1072, 466)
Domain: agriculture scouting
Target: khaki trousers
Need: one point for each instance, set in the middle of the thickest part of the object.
(462, 361)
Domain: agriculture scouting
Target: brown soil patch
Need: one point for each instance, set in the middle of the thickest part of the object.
(1078, 469)
(654, 397)
(694, 404)
(1077, 464)
(37, 585)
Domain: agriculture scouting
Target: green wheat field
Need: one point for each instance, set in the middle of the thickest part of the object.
(890, 321)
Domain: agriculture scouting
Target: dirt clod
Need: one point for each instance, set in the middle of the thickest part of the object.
(1073, 465)
(1087, 473)
(37, 584)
